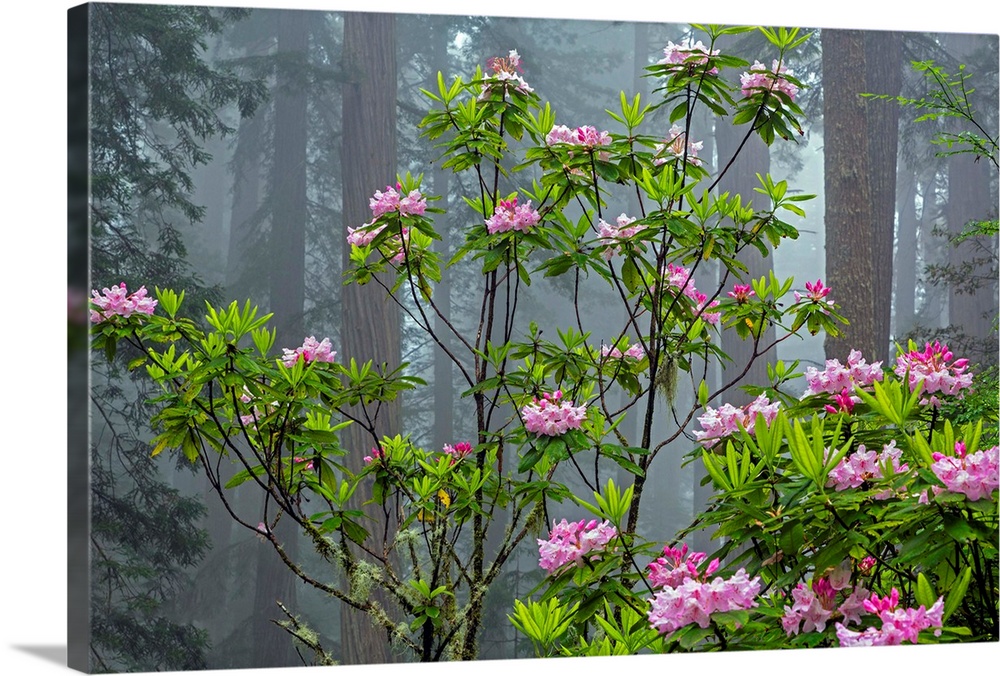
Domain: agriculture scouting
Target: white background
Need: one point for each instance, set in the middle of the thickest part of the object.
(32, 384)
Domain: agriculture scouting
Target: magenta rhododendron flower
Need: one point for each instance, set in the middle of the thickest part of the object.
(458, 451)
(310, 351)
(815, 292)
(865, 465)
(761, 79)
(569, 543)
(975, 475)
(610, 235)
(511, 216)
(376, 454)
(725, 421)
(741, 293)
(550, 417)
(308, 463)
(933, 366)
(674, 147)
(116, 301)
(694, 600)
(687, 56)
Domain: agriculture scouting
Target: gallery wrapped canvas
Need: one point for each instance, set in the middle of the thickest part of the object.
(401, 338)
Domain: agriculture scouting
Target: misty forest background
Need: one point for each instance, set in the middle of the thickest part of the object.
(230, 149)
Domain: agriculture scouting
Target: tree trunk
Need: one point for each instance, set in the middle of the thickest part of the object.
(883, 76)
(850, 237)
(906, 259)
(370, 326)
(272, 647)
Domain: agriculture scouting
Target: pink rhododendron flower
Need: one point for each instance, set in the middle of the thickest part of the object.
(815, 292)
(511, 216)
(550, 417)
(116, 301)
(610, 235)
(364, 235)
(569, 543)
(761, 79)
(412, 204)
(864, 465)
(674, 147)
(679, 277)
(694, 600)
(672, 569)
(725, 421)
(376, 454)
(975, 476)
(686, 56)
(807, 612)
(932, 368)
(741, 293)
(585, 136)
(634, 351)
(458, 451)
(311, 350)
(899, 625)
(309, 463)
(507, 70)
(835, 377)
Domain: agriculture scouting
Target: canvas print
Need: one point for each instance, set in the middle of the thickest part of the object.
(405, 338)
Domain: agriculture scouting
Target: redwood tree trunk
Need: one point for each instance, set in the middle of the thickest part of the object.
(370, 326)
(884, 75)
(272, 647)
(850, 237)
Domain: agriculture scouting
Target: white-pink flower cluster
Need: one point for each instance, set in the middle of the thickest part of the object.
(761, 79)
(509, 215)
(508, 70)
(412, 204)
(310, 351)
(611, 235)
(585, 136)
(550, 417)
(865, 465)
(835, 377)
(117, 301)
(686, 55)
(974, 475)
(634, 351)
(935, 369)
(679, 277)
(898, 624)
(726, 420)
(694, 600)
(569, 543)
(674, 147)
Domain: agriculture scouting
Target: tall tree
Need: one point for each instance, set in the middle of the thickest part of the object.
(850, 237)
(287, 186)
(883, 75)
(370, 325)
(154, 103)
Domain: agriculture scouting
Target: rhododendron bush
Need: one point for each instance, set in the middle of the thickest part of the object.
(847, 510)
